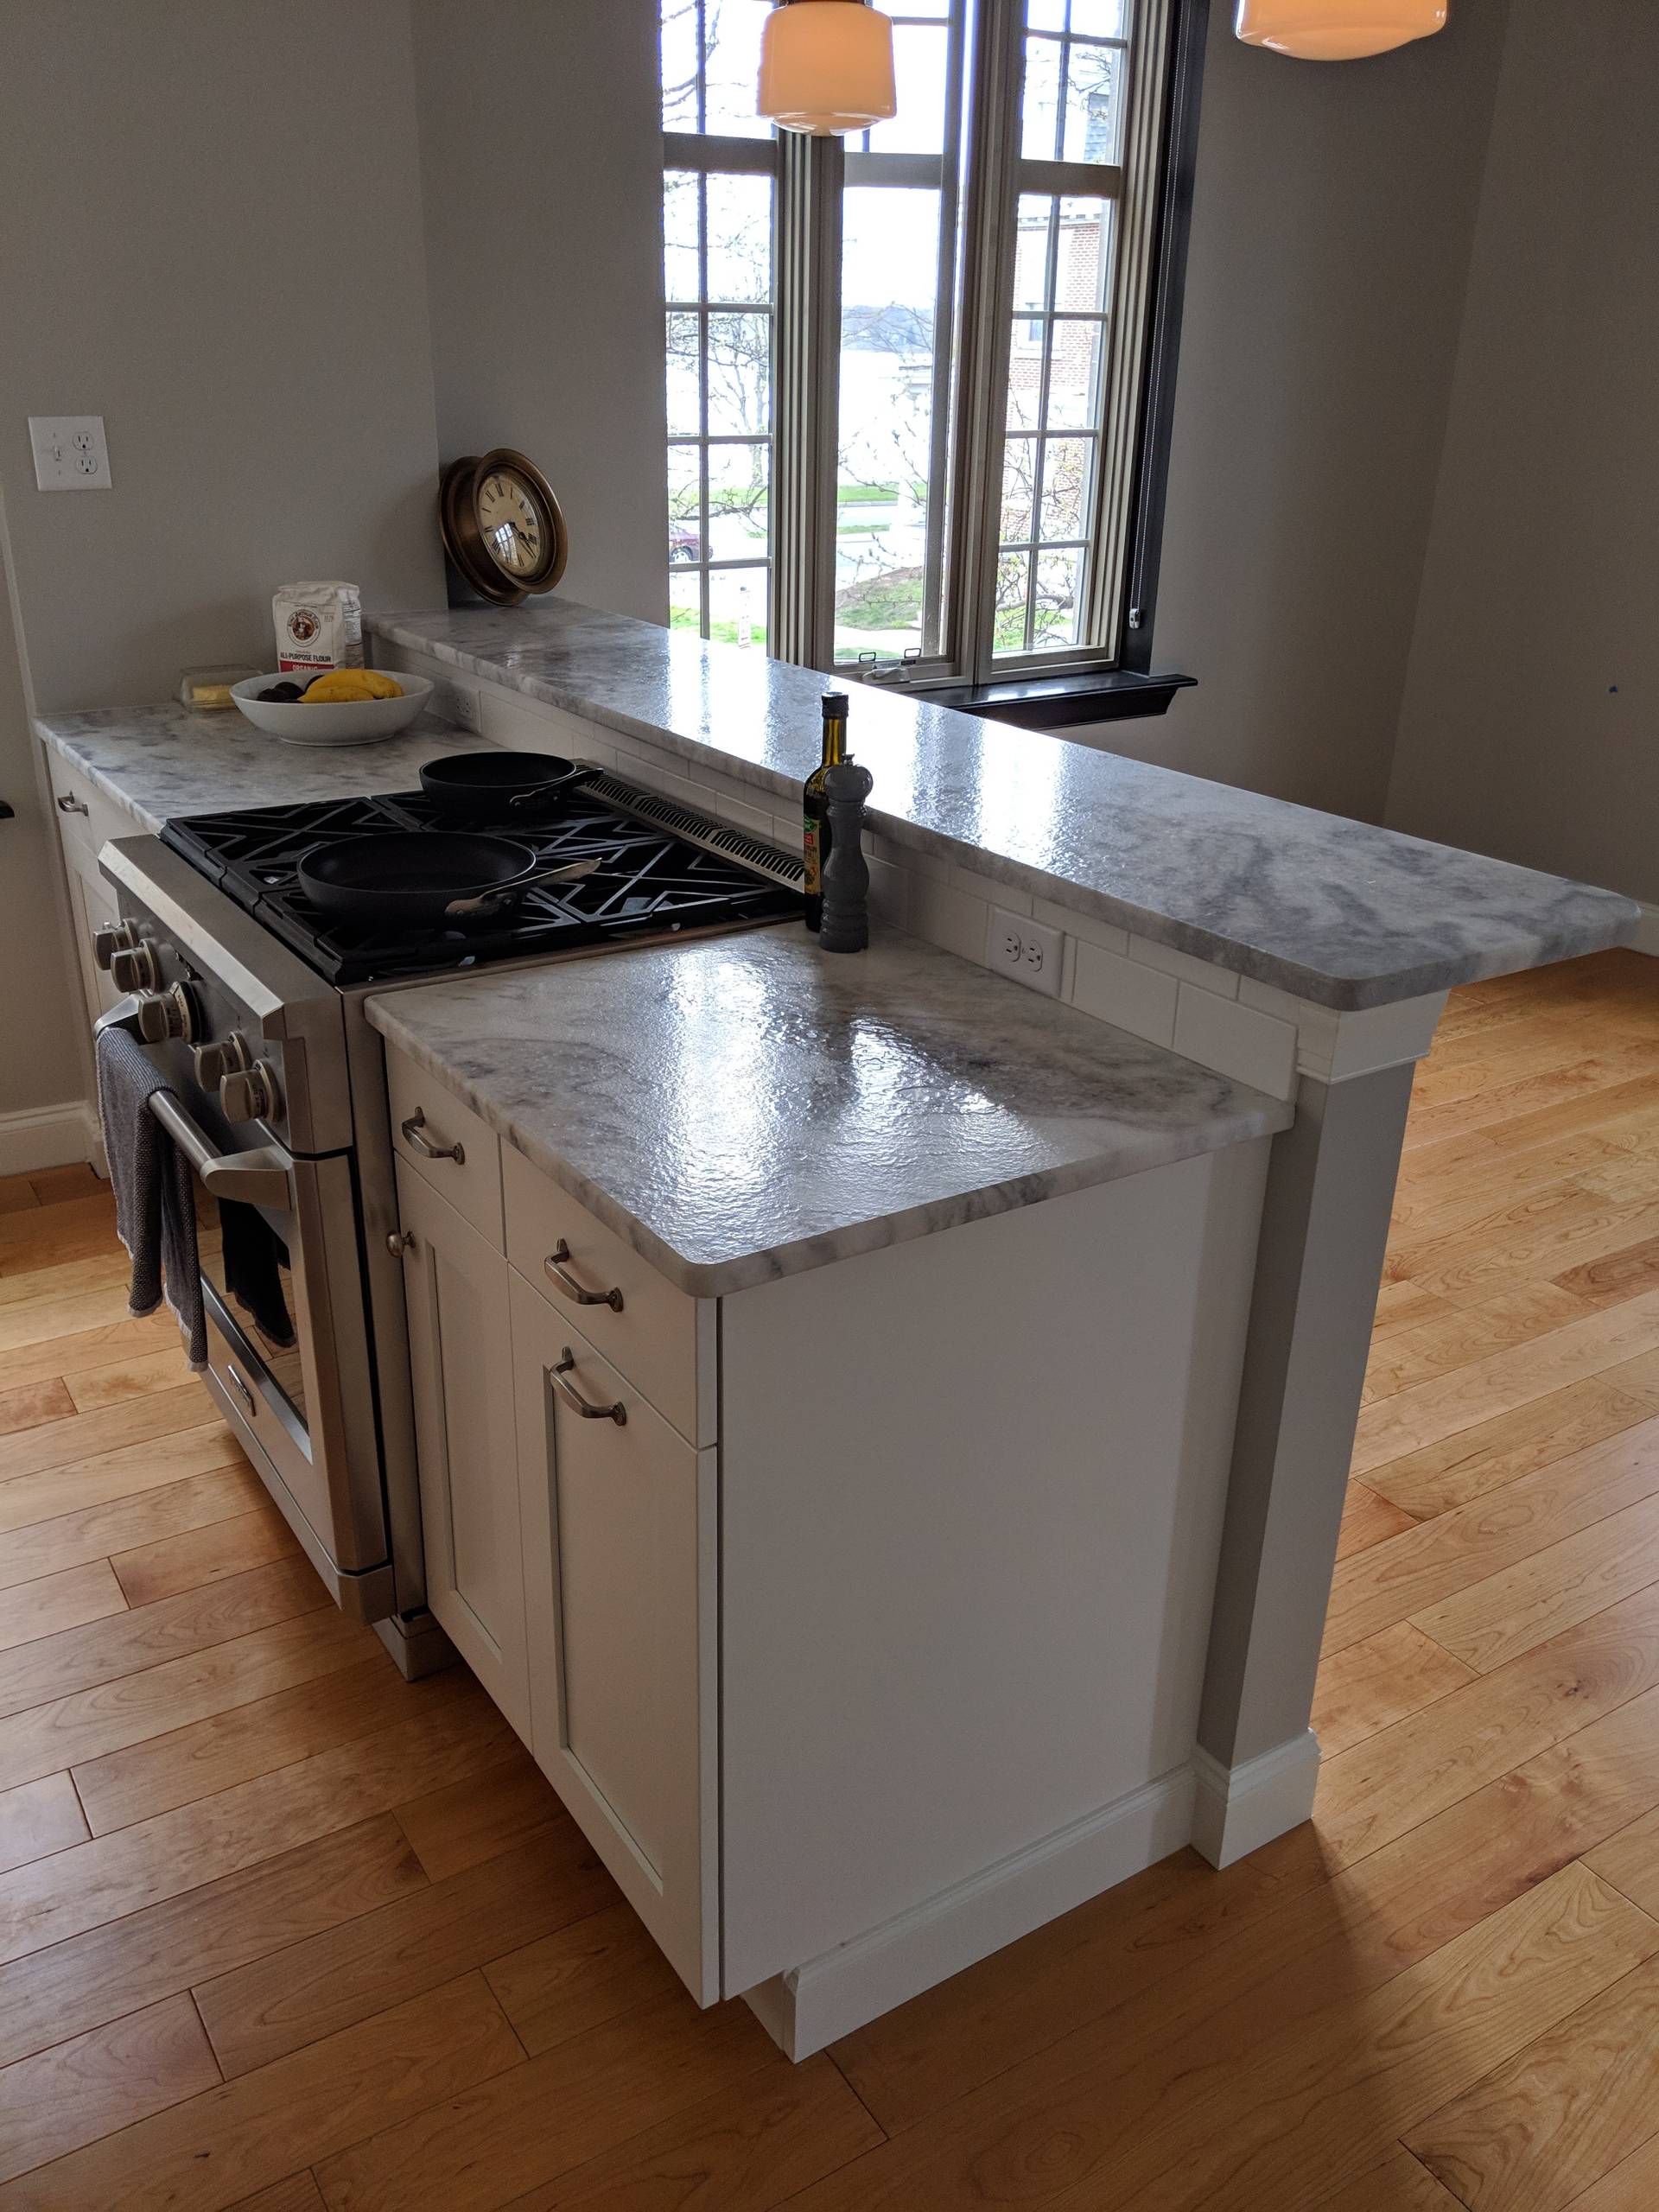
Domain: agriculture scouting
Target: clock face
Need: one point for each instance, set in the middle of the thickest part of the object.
(514, 529)
(501, 526)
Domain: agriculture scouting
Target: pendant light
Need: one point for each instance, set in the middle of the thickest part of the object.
(826, 67)
(1336, 30)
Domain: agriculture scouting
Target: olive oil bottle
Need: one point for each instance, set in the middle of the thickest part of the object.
(814, 812)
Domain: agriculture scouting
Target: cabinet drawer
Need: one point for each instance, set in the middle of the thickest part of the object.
(428, 1122)
(620, 1578)
(652, 1336)
(85, 814)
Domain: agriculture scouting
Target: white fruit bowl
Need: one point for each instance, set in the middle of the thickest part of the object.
(330, 722)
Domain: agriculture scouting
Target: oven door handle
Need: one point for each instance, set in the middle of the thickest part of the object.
(257, 1178)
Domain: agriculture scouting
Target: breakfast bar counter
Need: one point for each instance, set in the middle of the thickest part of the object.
(1336, 912)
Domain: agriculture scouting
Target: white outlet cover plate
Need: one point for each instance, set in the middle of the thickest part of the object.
(455, 703)
(71, 453)
(1029, 952)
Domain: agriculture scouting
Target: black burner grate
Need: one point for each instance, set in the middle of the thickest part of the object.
(648, 882)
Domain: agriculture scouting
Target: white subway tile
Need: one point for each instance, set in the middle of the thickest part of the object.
(513, 721)
(890, 893)
(932, 864)
(948, 919)
(1183, 965)
(1267, 998)
(1236, 1040)
(728, 786)
(1075, 924)
(1007, 896)
(742, 816)
(1125, 993)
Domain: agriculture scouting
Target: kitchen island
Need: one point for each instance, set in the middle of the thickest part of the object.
(1091, 1294)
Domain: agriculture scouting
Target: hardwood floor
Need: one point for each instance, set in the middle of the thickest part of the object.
(281, 1933)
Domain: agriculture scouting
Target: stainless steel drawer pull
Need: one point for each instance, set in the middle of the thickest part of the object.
(242, 1390)
(68, 804)
(415, 1129)
(572, 1288)
(574, 1399)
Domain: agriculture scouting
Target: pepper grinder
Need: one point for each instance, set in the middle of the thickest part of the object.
(845, 923)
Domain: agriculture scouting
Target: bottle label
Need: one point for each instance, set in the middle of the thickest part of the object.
(812, 858)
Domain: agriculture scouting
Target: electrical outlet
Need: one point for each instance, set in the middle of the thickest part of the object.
(1027, 951)
(455, 702)
(70, 454)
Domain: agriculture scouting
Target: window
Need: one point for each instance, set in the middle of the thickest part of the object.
(917, 382)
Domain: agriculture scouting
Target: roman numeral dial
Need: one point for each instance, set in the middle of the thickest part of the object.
(502, 527)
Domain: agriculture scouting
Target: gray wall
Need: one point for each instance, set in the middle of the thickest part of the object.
(542, 156)
(232, 273)
(40, 1018)
(1333, 220)
(213, 238)
(1529, 717)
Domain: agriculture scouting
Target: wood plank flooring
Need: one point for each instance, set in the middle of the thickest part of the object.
(281, 1933)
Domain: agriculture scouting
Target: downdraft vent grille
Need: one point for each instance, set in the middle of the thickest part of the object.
(714, 836)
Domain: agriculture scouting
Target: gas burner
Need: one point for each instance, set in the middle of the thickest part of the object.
(648, 882)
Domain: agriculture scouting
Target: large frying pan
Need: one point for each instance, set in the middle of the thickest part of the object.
(426, 875)
(489, 783)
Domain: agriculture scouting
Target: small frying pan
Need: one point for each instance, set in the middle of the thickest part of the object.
(425, 875)
(491, 782)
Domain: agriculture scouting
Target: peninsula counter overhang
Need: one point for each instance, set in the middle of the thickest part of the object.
(1339, 912)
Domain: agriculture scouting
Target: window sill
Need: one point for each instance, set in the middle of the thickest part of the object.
(1058, 702)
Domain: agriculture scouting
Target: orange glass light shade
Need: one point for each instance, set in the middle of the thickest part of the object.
(1336, 30)
(826, 67)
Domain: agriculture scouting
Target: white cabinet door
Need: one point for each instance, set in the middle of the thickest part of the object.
(619, 1581)
(92, 907)
(461, 1360)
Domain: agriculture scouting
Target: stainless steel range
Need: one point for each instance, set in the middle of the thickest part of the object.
(252, 1003)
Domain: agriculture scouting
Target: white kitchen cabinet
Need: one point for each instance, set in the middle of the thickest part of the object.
(461, 1361)
(620, 1536)
(92, 902)
(872, 1635)
(92, 908)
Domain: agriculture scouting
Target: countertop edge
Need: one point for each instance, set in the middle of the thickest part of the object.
(1142, 1151)
(64, 748)
(1340, 993)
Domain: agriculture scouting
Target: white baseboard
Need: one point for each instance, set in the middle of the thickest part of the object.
(812, 2005)
(47, 1136)
(1241, 1808)
(1647, 937)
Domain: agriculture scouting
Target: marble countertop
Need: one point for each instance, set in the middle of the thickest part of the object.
(748, 1107)
(160, 762)
(1337, 912)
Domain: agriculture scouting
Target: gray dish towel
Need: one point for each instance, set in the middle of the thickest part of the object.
(155, 1191)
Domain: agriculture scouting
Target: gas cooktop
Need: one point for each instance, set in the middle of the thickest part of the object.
(650, 882)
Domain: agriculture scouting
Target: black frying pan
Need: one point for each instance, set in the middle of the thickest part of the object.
(489, 782)
(425, 875)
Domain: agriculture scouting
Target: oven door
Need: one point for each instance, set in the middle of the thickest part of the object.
(287, 1337)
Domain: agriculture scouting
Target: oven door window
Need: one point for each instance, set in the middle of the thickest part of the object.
(247, 1260)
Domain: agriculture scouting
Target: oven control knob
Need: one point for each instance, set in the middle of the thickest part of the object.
(136, 968)
(214, 1061)
(164, 1015)
(251, 1094)
(106, 943)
